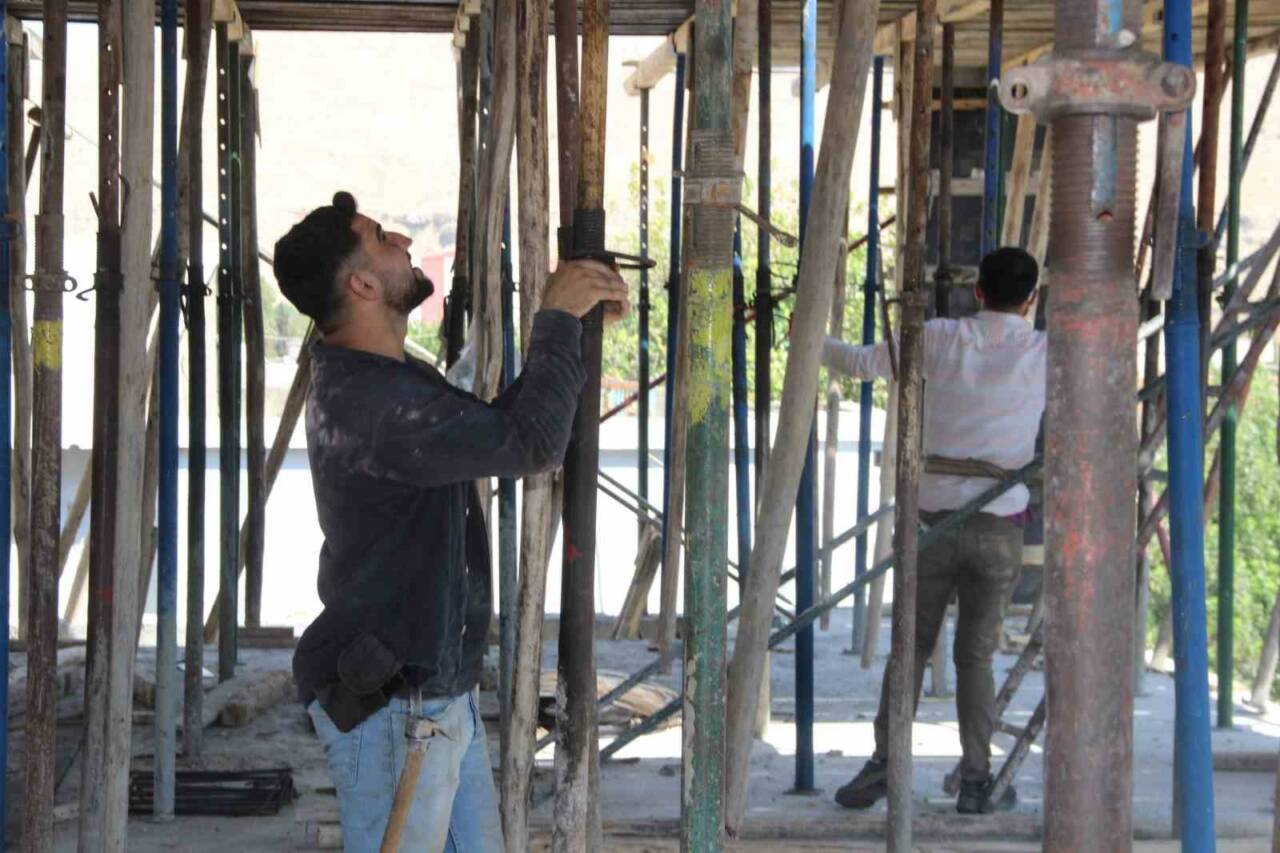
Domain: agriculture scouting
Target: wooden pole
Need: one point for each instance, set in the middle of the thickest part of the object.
(75, 516)
(191, 157)
(1266, 674)
(539, 498)
(1038, 237)
(914, 300)
(831, 448)
(46, 442)
(491, 194)
(106, 385)
(255, 353)
(713, 163)
(1024, 143)
(813, 304)
(20, 490)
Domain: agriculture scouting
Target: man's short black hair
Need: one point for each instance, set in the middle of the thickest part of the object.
(309, 258)
(1008, 277)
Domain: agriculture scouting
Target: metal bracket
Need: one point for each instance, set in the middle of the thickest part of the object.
(1133, 84)
(1120, 84)
(51, 282)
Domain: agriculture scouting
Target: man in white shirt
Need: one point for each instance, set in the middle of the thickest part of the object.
(984, 396)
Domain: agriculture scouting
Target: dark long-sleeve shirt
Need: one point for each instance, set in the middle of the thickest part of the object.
(394, 454)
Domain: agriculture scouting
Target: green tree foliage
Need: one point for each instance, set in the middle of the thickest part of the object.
(1257, 549)
(621, 345)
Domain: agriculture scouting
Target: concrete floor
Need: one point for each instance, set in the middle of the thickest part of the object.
(640, 791)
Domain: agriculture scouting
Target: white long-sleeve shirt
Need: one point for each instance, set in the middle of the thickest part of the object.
(984, 395)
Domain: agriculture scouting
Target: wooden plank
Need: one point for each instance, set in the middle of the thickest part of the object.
(1019, 177)
(256, 695)
(492, 192)
(813, 304)
(648, 557)
(1038, 238)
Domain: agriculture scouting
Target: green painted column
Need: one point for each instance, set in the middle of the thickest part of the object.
(1227, 491)
(708, 289)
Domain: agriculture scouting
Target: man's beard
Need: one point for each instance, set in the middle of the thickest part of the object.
(413, 294)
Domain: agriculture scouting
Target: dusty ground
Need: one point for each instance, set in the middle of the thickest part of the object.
(641, 789)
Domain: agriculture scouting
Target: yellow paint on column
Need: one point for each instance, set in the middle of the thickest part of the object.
(46, 345)
(710, 337)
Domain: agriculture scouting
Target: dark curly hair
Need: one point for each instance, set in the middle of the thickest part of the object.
(310, 256)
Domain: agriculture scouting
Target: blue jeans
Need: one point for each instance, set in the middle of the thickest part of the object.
(455, 807)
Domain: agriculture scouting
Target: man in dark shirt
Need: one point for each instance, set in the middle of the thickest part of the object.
(404, 569)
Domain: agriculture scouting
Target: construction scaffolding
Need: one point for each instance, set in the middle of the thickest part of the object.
(1046, 97)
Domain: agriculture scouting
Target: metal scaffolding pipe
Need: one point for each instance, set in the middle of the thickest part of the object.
(671, 568)
(197, 26)
(1192, 751)
(1091, 442)
(1227, 438)
(741, 429)
(642, 318)
(709, 282)
(6, 404)
(166, 719)
(577, 760)
(806, 509)
(764, 274)
(229, 324)
(991, 152)
(870, 286)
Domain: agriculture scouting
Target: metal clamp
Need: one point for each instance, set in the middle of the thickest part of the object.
(1125, 83)
(712, 178)
(1134, 84)
(50, 282)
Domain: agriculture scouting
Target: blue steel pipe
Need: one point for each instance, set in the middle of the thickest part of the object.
(7, 231)
(870, 285)
(167, 575)
(806, 516)
(741, 429)
(673, 282)
(991, 158)
(1192, 752)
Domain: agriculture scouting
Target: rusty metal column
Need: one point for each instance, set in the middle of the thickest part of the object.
(1094, 92)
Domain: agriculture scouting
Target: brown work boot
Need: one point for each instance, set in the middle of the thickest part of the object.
(867, 788)
(975, 797)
